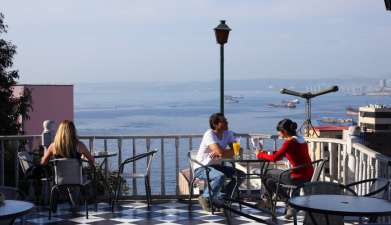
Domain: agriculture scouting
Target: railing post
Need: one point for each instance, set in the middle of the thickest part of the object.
(119, 144)
(134, 152)
(333, 160)
(177, 165)
(106, 161)
(2, 160)
(351, 136)
(47, 133)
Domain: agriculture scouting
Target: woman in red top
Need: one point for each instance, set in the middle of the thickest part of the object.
(295, 149)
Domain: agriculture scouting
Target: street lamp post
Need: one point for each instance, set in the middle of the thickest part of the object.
(222, 32)
(388, 4)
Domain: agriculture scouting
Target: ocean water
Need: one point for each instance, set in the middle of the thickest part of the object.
(176, 108)
(184, 108)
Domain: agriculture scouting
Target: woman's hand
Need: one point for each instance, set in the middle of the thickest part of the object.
(258, 151)
(214, 155)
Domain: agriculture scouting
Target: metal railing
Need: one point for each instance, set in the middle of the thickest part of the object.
(171, 157)
(348, 162)
(15, 144)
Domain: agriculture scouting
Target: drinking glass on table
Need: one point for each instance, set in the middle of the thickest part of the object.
(256, 143)
(236, 147)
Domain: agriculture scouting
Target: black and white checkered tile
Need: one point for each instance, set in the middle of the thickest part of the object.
(137, 213)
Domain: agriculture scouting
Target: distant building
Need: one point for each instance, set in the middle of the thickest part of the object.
(375, 124)
(49, 102)
(375, 118)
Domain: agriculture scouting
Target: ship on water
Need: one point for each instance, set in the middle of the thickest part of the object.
(336, 121)
(350, 111)
(283, 105)
(232, 99)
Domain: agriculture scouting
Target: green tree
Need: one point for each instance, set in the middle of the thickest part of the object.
(12, 109)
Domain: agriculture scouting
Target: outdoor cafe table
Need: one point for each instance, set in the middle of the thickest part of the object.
(11, 209)
(104, 156)
(342, 205)
(98, 174)
(243, 162)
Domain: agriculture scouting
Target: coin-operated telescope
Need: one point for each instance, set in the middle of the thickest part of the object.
(307, 125)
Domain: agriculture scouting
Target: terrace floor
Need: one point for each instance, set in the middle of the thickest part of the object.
(136, 212)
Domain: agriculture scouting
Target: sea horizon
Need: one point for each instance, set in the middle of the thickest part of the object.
(118, 108)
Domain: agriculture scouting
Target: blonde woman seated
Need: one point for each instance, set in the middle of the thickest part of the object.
(67, 145)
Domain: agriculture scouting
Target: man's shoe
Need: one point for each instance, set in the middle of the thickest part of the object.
(290, 212)
(218, 203)
(264, 204)
(204, 202)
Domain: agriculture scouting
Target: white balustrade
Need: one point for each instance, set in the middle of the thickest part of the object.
(348, 161)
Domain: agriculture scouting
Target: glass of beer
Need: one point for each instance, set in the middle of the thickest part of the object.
(236, 146)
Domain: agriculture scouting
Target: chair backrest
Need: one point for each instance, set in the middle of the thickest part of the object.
(319, 187)
(319, 165)
(373, 187)
(150, 156)
(25, 161)
(378, 188)
(322, 187)
(11, 193)
(67, 171)
(192, 154)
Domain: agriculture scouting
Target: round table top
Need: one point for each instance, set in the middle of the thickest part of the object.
(98, 155)
(343, 205)
(14, 208)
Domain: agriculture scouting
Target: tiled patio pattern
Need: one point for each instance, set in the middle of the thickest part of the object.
(169, 212)
(135, 212)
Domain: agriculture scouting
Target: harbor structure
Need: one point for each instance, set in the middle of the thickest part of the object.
(375, 118)
(375, 125)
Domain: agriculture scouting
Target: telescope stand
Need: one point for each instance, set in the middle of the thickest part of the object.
(307, 124)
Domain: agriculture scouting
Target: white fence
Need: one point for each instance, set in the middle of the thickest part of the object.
(348, 162)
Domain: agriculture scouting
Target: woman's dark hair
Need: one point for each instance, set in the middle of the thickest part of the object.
(287, 125)
(215, 118)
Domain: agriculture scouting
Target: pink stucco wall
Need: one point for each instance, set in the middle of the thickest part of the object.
(50, 102)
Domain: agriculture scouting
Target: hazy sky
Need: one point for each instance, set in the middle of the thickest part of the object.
(125, 40)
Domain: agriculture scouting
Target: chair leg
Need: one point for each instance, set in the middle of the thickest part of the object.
(86, 206)
(212, 208)
(71, 198)
(236, 190)
(191, 194)
(147, 191)
(117, 190)
(51, 201)
(273, 205)
(85, 196)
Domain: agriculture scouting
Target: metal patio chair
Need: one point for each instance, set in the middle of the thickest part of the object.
(28, 167)
(195, 181)
(318, 167)
(146, 176)
(375, 187)
(68, 175)
(12, 193)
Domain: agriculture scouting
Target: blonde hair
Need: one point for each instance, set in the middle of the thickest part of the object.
(65, 141)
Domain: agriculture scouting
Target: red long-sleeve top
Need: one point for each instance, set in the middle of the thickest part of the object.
(296, 151)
